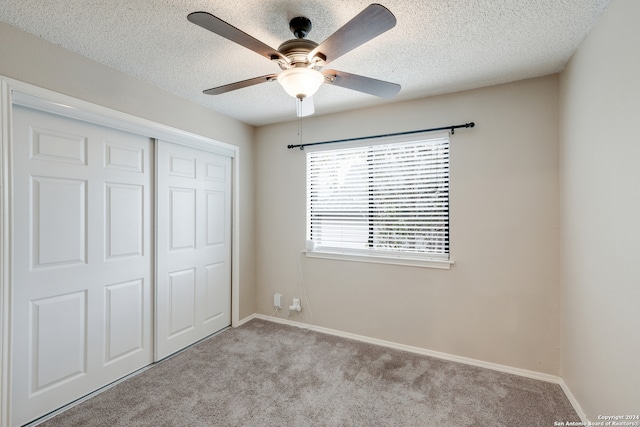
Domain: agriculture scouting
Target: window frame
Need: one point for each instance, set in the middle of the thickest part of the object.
(431, 260)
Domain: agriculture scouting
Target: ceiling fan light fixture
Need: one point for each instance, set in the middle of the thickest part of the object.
(301, 82)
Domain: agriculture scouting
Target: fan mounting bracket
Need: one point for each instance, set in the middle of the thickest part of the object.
(318, 59)
(282, 61)
(300, 26)
(330, 78)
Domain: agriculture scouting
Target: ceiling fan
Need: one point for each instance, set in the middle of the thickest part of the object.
(301, 59)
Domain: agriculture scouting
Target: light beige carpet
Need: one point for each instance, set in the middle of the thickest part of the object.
(267, 374)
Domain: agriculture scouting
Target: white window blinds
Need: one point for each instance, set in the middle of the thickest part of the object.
(387, 199)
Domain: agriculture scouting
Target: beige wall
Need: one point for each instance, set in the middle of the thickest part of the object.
(499, 302)
(30, 59)
(600, 193)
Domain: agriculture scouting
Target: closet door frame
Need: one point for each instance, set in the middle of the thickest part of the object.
(16, 92)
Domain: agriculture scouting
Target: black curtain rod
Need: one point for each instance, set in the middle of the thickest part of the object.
(451, 128)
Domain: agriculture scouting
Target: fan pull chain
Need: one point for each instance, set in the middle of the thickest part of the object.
(299, 101)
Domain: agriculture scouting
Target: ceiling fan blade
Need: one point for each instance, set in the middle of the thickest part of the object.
(304, 107)
(361, 83)
(228, 31)
(368, 24)
(239, 85)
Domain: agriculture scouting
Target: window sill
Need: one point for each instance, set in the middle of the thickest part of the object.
(411, 262)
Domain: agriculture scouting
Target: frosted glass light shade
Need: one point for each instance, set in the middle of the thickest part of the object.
(300, 82)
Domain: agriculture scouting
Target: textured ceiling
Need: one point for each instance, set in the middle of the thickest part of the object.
(437, 46)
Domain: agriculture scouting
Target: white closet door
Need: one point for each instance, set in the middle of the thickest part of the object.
(82, 260)
(193, 294)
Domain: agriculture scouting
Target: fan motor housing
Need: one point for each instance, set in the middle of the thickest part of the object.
(297, 50)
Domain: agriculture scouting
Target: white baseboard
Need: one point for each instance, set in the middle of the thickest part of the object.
(439, 355)
(246, 319)
(574, 402)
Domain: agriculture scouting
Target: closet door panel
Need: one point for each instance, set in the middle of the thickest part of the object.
(82, 259)
(193, 298)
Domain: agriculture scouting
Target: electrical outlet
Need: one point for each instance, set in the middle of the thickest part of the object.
(296, 305)
(277, 300)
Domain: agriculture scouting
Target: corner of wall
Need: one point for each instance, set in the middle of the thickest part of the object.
(600, 241)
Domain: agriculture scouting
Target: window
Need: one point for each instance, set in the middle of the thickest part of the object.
(388, 199)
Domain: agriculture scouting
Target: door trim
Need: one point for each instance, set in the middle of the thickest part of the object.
(16, 92)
